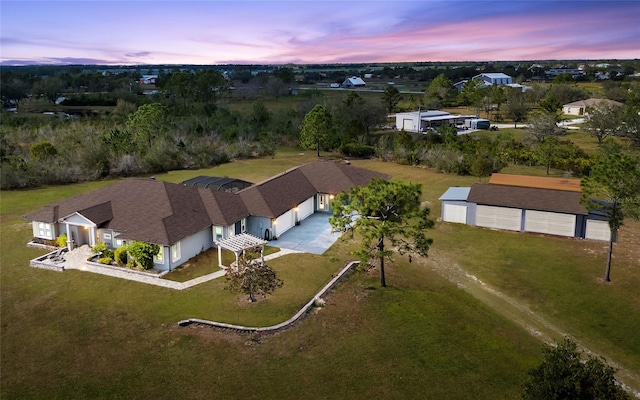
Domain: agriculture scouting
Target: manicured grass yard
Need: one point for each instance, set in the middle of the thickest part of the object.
(80, 335)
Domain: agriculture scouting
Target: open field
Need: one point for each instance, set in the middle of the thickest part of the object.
(79, 335)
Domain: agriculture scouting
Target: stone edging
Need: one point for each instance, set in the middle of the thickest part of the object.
(127, 270)
(283, 325)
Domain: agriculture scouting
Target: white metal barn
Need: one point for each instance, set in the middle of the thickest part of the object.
(421, 121)
(548, 206)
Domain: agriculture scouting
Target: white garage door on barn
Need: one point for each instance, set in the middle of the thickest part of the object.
(284, 223)
(305, 209)
(454, 213)
(550, 223)
(597, 230)
(499, 217)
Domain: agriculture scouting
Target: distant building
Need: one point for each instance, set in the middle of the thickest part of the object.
(148, 79)
(552, 73)
(494, 78)
(353, 82)
(581, 107)
(423, 121)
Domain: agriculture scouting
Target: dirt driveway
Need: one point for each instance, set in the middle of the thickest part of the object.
(510, 308)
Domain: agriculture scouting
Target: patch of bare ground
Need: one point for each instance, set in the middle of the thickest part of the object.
(521, 313)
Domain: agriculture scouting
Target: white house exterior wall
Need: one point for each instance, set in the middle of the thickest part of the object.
(189, 248)
(576, 110)
(52, 230)
(550, 223)
(499, 217)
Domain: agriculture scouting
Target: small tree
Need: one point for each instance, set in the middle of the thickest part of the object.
(614, 179)
(605, 120)
(516, 107)
(563, 375)
(315, 128)
(252, 276)
(384, 211)
(390, 98)
(542, 126)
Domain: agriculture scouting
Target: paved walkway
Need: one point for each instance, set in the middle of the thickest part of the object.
(76, 259)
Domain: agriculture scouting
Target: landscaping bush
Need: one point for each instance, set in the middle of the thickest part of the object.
(61, 241)
(357, 150)
(102, 249)
(142, 254)
(120, 256)
(105, 260)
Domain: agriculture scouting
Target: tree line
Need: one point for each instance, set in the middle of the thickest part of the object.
(194, 121)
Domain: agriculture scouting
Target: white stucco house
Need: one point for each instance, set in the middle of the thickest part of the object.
(187, 220)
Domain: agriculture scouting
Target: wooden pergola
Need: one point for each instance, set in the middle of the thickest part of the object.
(238, 244)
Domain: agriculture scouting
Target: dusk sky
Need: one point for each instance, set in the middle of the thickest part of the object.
(308, 32)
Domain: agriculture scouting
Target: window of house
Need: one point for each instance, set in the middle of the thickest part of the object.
(44, 230)
(218, 232)
(119, 243)
(175, 252)
(159, 258)
(243, 223)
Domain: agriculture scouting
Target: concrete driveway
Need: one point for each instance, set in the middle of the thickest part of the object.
(313, 235)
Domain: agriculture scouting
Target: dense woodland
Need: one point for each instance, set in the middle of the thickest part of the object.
(75, 123)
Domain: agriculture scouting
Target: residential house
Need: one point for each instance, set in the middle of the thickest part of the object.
(525, 204)
(581, 107)
(353, 82)
(186, 220)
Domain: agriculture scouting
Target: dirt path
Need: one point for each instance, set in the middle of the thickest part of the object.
(510, 308)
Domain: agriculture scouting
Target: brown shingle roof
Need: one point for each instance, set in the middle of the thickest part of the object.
(593, 103)
(333, 177)
(276, 195)
(142, 209)
(279, 194)
(526, 198)
(540, 182)
(224, 208)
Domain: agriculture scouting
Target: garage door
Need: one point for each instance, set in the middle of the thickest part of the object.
(305, 209)
(407, 125)
(284, 222)
(598, 230)
(499, 217)
(550, 223)
(454, 213)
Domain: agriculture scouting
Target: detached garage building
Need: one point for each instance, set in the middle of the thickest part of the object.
(509, 205)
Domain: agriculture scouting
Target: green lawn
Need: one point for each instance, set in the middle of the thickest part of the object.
(80, 335)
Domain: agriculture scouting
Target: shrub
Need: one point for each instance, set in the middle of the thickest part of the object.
(105, 260)
(142, 254)
(102, 249)
(61, 241)
(120, 256)
(357, 150)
